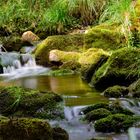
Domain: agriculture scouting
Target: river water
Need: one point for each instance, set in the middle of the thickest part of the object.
(76, 93)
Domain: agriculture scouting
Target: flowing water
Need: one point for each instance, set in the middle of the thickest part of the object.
(76, 93)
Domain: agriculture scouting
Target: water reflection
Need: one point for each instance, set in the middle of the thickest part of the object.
(75, 91)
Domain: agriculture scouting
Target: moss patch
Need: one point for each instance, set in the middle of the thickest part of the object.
(122, 68)
(20, 102)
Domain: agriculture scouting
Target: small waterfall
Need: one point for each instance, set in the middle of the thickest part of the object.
(23, 61)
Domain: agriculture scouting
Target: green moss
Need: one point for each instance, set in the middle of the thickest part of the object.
(114, 123)
(20, 102)
(25, 128)
(122, 68)
(97, 114)
(105, 37)
(60, 42)
(116, 91)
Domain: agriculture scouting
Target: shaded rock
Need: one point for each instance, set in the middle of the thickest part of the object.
(59, 42)
(17, 101)
(134, 89)
(115, 123)
(116, 91)
(60, 134)
(122, 68)
(25, 129)
(30, 37)
(97, 114)
(13, 43)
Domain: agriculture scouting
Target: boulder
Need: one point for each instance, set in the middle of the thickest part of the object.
(59, 42)
(62, 56)
(116, 92)
(30, 37)
(25, 129)
(17, 101)
(122, 68)
(30, 129)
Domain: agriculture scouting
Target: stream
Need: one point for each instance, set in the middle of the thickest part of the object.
(76, 93)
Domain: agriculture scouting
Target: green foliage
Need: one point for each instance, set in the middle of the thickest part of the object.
(115, 10)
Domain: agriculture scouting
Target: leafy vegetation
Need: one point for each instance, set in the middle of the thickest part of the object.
(58, 15)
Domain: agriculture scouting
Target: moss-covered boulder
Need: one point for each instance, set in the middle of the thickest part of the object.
(107, 37)
(115, 123)
(60, 42)
(29, 129)
(122, 68)
(134, 89)
(116, 91)
(17, 101)
(91, 60)
(97, 114)
(25, 129)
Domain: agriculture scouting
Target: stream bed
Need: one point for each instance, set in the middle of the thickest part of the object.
(76, 93)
